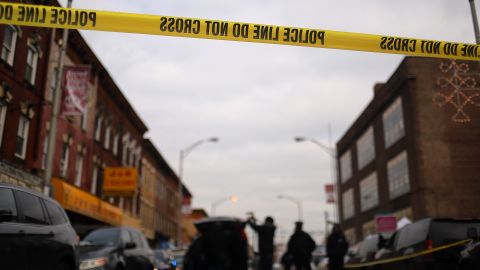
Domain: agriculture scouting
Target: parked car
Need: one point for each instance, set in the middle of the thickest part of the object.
(222, 244)
(163, 259)
(116, 248)
(318, 254)
(430, 233)
(36, 227)
(367, 249)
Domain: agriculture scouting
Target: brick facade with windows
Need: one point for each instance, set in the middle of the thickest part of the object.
(425, 164)
(109, 134)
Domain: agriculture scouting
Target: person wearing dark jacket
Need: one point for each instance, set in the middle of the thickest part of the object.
(337, 247)
(300, 247)
(266, 233)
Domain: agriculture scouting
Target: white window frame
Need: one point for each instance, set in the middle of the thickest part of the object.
(3, 115)
(348, 204)
(10, 54)
(369, 199)
(98, 127)
(93, 188)
(366, 148)
(106, 142)
(346, 166)
(45, 150)
(78, 170)
(85, 118)
(22, 132)
(116, 138)
(393, 123)
(32, 55)
(398, 185)
(64, 157)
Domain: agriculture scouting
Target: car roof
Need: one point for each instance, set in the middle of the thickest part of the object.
(28, 190)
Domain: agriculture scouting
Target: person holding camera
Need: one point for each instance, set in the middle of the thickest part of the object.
(266, 233)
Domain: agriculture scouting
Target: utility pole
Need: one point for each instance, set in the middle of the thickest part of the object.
(475, 21)
(52, 133)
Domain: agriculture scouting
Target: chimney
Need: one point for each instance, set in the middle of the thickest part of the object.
(377, 88)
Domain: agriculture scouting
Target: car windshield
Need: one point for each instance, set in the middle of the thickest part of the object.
(102, 237)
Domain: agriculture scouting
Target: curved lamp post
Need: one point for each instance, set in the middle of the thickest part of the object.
(295, 201)
(232, 198)
(183, 154)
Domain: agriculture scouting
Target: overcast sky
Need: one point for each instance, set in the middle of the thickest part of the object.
(257, 97)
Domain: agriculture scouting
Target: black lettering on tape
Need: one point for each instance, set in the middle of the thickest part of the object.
(6, 12)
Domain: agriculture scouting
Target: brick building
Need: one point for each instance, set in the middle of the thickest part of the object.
(23, 60)
(411, 153)
(109, 134)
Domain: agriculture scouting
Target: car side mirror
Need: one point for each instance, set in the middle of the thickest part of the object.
(130, 245)
(5, 214)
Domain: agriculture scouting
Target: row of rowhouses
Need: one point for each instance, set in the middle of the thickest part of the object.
(109, 134)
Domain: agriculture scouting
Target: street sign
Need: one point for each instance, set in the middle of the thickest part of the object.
(120, 181)
(385, 224)
(330, 193)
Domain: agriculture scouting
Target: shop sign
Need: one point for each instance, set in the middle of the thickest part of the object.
(120, 181)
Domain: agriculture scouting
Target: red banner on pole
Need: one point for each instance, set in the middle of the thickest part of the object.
(330, 193)
(75, 86)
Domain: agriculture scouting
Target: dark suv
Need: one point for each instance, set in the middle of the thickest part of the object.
(119, 248)
(430, 233)
(222, 244)
(35, 232)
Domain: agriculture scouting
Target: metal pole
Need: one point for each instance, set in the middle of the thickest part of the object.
(475, 21)
(180, 194)
(52, 133)
(334, 173)
(300, 211)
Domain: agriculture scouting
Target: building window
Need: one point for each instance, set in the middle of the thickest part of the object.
(64, 159)
(348, 204)
(393, 128)
(346, 166)
(115, 143)
(9, 43)
(31, 68)
(53, 84)
(3, 114)
(85, 118)
(398, 180)
(365, 148)
(369, 192)
(22, 137)
(78, 170)
(368, 228)
(106, 143)
(351, 236)
(93, 188)
(98, 126)
(45, 151)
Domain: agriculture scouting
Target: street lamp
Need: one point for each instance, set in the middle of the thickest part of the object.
(475, 21)
(333, 156)
(295, 201)
(183, 154)
(232, 198)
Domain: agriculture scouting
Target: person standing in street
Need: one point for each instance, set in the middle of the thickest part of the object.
(337, 247)
(300, 247)
(266, 233)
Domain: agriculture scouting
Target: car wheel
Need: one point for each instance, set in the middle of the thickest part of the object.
(63, 266)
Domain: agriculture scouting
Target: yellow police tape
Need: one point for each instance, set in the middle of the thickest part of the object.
(409, 256)
(56, 17)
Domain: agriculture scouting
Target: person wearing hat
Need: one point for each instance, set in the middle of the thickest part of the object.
(266, 233)
(300, 247)
(337, 247)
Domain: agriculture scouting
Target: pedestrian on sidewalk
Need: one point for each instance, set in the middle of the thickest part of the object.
(266, 233)
(300, 247)
(337, 247)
